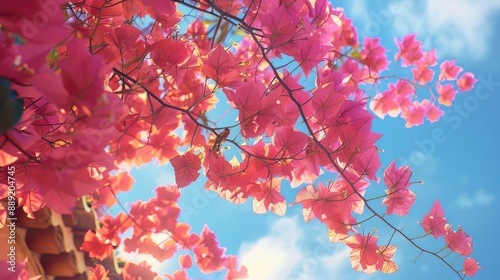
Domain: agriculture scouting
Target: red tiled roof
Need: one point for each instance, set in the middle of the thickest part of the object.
(51, 243)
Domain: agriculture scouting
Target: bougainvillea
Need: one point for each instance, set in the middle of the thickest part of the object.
(91, 86)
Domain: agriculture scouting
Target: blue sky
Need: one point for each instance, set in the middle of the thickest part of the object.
(459, 169)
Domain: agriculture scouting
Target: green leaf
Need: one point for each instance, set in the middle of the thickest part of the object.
(11, 107)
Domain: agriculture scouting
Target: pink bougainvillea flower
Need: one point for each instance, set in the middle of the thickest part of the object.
(373, 55)
(269, 198)
(429, 58)
(459, 241)
(96, 247)
(402, 88)
(422, 74)
(364, 251)
(449, 71)
(435, 223)
(399, 199)
(414, 115)
(466, 81)
(434, 113)
(399, 202)
(410, 50)
(398, 178)
(277, 26)
(186, 168)
(368, 257)
(470, 267)
(208, 255)
(385, 103)
(446, 94)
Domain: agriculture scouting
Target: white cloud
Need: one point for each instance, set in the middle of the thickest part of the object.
(483, 198)
(288, 251)
(337, 264)
(454, 27)
(464, 201)
(480, 198)
(275, 255)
